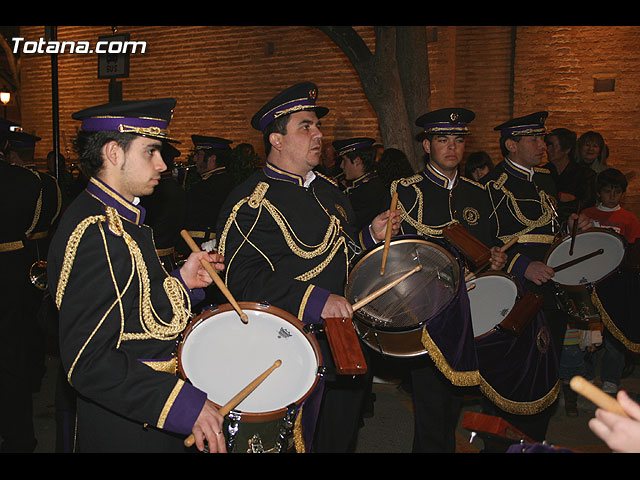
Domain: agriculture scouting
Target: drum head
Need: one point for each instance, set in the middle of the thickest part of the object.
(221, 355)
(414, 300)
(492, 296)
(594, 269)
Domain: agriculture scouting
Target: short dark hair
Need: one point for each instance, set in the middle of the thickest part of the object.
(611, 177)
(566, 138)
(367, 155)
(477, 160)
(88, 146)
(279, 125)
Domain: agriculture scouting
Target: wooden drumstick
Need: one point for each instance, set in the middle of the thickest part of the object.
(573, 262)
(387, 238)
(239, 397)
(386, 288)
(503, 249)
(214, 275)
(594, 394)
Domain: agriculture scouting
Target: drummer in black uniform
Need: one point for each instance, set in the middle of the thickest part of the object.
(19, 195)
(121, 313)
(430, 201)
(287, 232)
(166, 210)
(523, 198)
(21, 151)
(205, 197)
(366, 190)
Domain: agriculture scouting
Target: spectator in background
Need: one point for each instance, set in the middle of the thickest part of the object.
(575, 183)
(392, 165)
(611, 185)
(592, 151)
(477, 165)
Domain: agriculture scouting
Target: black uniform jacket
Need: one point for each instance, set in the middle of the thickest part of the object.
(429, 202)
(204, 200)
(121, 315)
(523, 203)
(288, 244)
(368, 197)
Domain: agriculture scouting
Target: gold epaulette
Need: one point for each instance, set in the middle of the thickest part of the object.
(500, 181)
(541, 170)
(472, 182)
(255, 199)
(328, 179)
(405, 182)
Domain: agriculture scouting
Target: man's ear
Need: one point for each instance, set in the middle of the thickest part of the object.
(511, 145)
(426, 144)
(111, 152)
(275, 139)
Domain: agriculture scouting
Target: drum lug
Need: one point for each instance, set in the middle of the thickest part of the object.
(322, 370)
(232, 429)
(255, 445)
(313, 328)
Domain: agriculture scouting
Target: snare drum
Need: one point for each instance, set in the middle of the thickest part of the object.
(392, 323)
(518, 369)
(221, 355)
(575, 284)
(492, 296)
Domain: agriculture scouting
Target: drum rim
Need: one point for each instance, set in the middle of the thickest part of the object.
(496, 273)
(400, 240)
(262, 307)
(563, 238)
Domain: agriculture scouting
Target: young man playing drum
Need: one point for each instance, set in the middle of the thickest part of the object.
(287, 232)
(121, 313)
(523, 199)
(430, 201)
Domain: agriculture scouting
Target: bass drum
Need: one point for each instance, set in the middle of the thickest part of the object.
(221, 355)
(392, 324)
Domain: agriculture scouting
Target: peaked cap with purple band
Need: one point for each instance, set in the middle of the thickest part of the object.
(202, 142)
(15, 135)
(149, 118)
(528, 125)
(446, 121)
(301, 96)
(345, 146)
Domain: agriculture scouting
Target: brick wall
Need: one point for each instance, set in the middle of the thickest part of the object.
(222, 75)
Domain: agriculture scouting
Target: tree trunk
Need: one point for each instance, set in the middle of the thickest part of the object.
(395, 80)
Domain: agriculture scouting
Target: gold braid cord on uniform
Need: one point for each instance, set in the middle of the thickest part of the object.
(418, 206)
(152, 325)
(613, 329)
(512, 204)
(331, 243)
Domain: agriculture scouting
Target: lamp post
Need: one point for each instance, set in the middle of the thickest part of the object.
(5, 97)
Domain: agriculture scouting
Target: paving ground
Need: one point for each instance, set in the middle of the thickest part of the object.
(390, 429)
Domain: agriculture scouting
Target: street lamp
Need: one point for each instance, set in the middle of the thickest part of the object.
(4, 98)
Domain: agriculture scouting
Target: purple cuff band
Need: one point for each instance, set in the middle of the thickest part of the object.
(196, 295)
(185, 410)
(519, 267)
(366, 238)
(315, 304)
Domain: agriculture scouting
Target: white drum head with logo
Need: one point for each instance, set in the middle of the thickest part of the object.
(593, 269)
(492, 296)
(221, 355)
